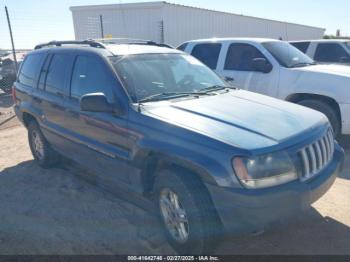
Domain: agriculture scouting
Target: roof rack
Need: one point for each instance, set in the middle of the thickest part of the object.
(100, 43)
(89, 42)
(130, 41)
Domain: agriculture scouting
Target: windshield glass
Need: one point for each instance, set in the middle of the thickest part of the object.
(288, 55)
(151, 74)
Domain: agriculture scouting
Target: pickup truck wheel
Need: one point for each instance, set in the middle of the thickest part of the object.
(187, 213)
(40, 148)
(325, 109)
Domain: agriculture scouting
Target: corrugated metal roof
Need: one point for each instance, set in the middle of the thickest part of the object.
(160, 3)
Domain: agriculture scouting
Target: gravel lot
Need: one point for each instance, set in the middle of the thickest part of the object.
(57, 211)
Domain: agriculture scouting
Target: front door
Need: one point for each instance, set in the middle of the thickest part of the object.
(238, 67)
(102, 138)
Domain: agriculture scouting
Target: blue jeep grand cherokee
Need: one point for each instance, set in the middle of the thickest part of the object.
(156, 122)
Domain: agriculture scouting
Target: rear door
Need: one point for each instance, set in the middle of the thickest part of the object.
(101, 139)
(207, 53)
(26, 83)
(51, 95)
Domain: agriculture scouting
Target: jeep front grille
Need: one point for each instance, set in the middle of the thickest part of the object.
(317, 156)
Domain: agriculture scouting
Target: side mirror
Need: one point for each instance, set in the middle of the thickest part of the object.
(95, 102)
(261, 65)
(344, 59)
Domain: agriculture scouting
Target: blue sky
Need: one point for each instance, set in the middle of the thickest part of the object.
(42, 20)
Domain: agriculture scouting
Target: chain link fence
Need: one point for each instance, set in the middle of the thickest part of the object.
(7, 72)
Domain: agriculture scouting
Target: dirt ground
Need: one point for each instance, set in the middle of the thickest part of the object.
(57, 211)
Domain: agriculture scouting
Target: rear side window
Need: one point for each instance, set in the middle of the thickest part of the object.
(90, 76)
(207, 53)
(330, 52)
(240, 57)
(183, 47)
(302, 46)
(57, 73)
(30, 68)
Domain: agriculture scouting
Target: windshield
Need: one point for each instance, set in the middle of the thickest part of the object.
(288, 55)
(147, 75)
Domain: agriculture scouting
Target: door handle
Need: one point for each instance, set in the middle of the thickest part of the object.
(38, 100)
(59, 94)
(229, 79)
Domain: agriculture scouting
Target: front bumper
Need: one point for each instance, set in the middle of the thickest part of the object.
(243, 210)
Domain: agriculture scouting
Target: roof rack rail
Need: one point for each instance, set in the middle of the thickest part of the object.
(89, 42)
(130, 41)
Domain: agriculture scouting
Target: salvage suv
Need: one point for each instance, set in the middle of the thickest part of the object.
(155, 122)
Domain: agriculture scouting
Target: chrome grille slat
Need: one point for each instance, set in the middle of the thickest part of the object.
(328, 147)
(324, 151)
(313, 159)
(330, 135)
(316, 156)
(306, 162)
(319, 155)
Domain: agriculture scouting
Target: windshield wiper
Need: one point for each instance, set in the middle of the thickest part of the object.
(173, 95)
(213, 88)
(163, 96)
(302, 64)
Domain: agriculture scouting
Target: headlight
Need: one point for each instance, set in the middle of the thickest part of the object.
(265, 171)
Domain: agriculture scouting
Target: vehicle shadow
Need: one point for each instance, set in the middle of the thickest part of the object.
(344, 141)
(61, 211)
(307, 234)
(6, 101)
(55, 211)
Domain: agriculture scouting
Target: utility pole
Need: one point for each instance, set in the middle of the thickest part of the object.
(11, 36)
(101, 24)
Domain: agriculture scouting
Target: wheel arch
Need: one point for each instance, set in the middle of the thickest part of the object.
(156, 161)
(27, 118)
(298, 97)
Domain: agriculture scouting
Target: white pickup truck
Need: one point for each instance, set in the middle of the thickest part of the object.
(278, 69)
(335, 51)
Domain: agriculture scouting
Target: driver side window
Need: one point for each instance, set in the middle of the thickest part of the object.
(240, 57)
(90, 76)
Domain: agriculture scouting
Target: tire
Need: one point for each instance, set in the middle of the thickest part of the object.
(327, 110)
(41, 150)
(202, 226)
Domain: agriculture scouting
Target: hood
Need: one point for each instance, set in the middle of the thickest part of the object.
(239, 118)
(341, 70)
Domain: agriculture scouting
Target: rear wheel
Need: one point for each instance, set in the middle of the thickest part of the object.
(187, 213)
(327, 110)
(40, 148)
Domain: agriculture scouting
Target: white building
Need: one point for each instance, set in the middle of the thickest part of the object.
(174, 24)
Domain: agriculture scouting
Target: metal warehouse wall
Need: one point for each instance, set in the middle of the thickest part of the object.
(125, 20)
(184, 23)
(180, 23)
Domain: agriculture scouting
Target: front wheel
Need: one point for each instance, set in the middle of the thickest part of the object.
(187, 213)
(327, 110)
